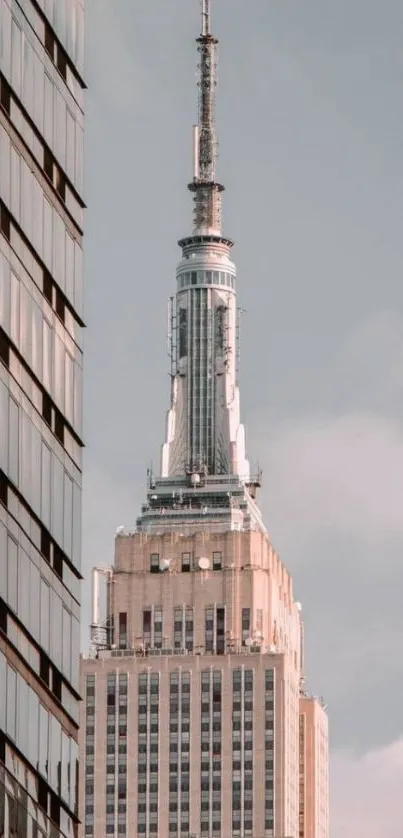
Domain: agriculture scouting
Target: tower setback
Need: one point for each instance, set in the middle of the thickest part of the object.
(190, 722)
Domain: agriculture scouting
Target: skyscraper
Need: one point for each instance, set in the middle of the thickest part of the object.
(41, 229)
(190, 719)
(314, 769)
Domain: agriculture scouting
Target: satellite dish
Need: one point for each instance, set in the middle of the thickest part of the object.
(120, 531)
(164, 564)
(195, 479)
(204, 563)
(298, 606)
(248, 641)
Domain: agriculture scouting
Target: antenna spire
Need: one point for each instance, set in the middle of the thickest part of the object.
(206, 13)
(207, 192)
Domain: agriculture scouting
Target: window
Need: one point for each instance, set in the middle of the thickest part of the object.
(4, 348)
(49, 41)
(147, 626)
(61, 61)
(211, 688)
(178, 627)
(47, 286)
(245, 624)
(189, 626)
(269, 747)
(217, 560)
(209, 628)
(183, 627)
(5, 222)
(154, 688)
(214, 629)
(220, 631)
(185, 562)
(60, 305)
(123, 630)
(5, 95)
(59, 427)
(154, 563)
(182, 332)
(220, 327)
(157, 628)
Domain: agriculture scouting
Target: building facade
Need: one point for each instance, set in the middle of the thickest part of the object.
(207, 660)
(191, 690)
(314, 769)
(41, 311)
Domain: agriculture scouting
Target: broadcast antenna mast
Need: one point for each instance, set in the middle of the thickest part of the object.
(207, 192)
(206, 13)
(205, 436)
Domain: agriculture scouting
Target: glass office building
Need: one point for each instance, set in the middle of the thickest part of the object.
(41, 302)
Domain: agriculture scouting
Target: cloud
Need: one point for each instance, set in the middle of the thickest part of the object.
(367, 793)
(369, 365)
(343, 473)
(333, 507)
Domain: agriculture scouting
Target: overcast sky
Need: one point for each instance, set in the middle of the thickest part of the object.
(310, 122)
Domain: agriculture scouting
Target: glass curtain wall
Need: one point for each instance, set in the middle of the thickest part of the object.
(41, 320)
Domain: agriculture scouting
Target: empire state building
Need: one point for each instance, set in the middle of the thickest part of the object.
(195, 720)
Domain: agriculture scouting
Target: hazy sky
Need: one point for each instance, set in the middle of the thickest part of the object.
(310, 122)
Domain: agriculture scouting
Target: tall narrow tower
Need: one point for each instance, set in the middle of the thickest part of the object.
(190, 718)
(204, 436)
(204, 465)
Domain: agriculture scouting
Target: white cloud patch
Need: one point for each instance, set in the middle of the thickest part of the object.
(342, 473)
(367, 793)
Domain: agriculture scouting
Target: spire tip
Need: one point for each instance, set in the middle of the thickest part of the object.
(206, 13)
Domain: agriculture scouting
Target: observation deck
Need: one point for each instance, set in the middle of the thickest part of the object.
(188, 503)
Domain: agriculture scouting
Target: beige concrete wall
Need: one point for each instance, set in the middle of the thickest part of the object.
(253, 577)
(285, 739)
(314, 769)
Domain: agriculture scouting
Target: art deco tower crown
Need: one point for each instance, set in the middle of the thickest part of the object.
(203, 456)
